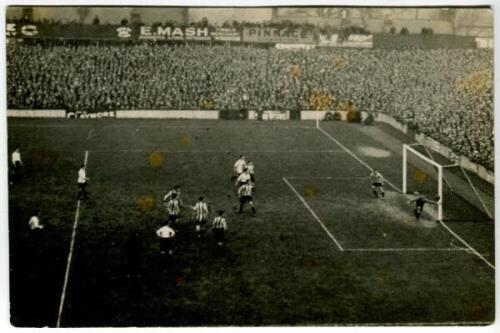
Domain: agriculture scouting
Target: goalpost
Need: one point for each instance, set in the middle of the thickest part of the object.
(423, 175)
(434, 176)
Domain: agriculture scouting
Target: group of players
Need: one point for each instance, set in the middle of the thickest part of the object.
(244, 173)
(244, 176)
(378, 190)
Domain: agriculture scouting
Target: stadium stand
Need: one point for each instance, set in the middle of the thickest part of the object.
(444, 93)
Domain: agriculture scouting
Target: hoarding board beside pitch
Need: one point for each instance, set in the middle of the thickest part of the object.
(358, 41)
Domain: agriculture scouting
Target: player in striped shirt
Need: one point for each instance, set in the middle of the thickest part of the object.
(245, 194)
(173, 209)
(219, 226)
(200, 216)
(377, 183)
(176, 190)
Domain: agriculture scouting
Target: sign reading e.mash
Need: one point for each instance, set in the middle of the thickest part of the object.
(173, 33)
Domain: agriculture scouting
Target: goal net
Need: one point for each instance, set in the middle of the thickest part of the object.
(423, 176)
(458, 197)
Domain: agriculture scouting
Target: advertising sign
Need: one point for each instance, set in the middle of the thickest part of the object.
(359, 41)
(281, 46)
(226, 34)
(484, 43)
(275, 35)
(17, 30)
(173, 33)
(275, 115)
(90, 114)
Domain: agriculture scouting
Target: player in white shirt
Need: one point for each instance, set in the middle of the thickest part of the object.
(243, 178)
(251, 171)
(17, 164)
(166, 235)
(16, 159)
(200, 216)
(82, 183)
(239, 166)
(377, 183)
(34, 222)
(219, 226)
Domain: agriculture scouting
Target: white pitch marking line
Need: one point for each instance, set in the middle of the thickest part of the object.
(209, 126)
(406, 249)
(388, 182)
(219, 151)
(326, 177)
(347, 150)
(70, 254)
(90, 134)
(314, 214)
(467, 245)
(446, 323)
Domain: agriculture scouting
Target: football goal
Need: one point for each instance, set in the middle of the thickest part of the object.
(434, 177)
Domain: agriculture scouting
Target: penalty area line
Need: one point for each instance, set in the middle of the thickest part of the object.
(70, 254)
(408, 249)
(347, 150)
(397, 189)
(314, 214)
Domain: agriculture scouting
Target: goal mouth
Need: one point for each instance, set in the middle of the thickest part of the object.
(452, 195)
(423, 178)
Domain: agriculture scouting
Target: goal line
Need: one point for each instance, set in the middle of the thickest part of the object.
(357, 158)
(344, 249)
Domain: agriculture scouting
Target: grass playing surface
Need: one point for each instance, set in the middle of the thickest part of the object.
(321, 249)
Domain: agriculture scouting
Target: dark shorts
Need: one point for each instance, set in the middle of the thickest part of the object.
(202, 222)
(252, 177)
(166, 244)
(377, 184)
(172, 218)
(245, 198)
(82, 185)
(219, 234)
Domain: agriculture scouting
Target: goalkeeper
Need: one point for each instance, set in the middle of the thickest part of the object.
(420, 202)
(377, 183)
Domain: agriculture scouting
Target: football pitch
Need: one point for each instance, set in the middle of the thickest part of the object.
(321, 249)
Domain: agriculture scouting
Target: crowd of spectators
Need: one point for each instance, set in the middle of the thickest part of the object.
(444, 93)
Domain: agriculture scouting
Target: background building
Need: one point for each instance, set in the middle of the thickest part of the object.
(472, 22)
